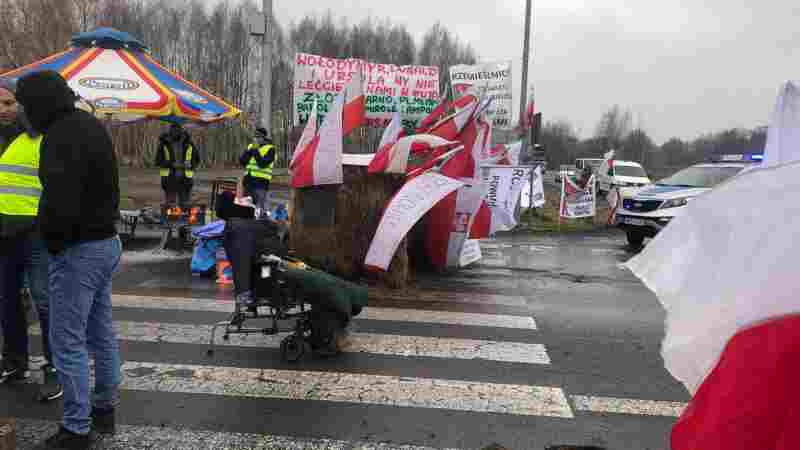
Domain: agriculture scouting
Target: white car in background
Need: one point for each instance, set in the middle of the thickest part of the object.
(620, 174)
(652, 208)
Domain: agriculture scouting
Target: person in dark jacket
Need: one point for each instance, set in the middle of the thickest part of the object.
(23, 256)
(257, 161)
(78, 209)
(177, 158)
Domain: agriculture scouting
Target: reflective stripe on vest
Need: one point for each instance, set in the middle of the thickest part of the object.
(252, 166)
(20, 188)
(187, 159)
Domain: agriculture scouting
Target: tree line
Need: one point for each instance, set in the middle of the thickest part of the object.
(213, 48)
(616, 130)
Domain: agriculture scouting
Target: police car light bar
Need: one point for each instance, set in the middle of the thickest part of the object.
(746, 157)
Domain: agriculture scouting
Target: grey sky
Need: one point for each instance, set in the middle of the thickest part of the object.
(684, 67)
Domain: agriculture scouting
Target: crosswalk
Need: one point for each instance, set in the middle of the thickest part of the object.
(408, 379)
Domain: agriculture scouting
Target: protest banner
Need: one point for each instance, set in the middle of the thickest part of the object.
(489, 81)
(404, 210)
(533, 189)
(471, 252)
(577, 202)
(505, 185)
(414, 90)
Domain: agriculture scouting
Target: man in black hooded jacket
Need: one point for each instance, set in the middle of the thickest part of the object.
(78, 209)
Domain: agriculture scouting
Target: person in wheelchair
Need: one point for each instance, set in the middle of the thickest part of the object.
(261, 283)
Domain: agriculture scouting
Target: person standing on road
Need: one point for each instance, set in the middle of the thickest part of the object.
(258, 161)
(23, 256)
(177, 158)
(77, 213)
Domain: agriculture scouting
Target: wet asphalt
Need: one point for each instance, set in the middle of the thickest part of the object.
(600, 326)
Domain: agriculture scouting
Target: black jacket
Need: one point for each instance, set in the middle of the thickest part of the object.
(176, 146)
(77, 167)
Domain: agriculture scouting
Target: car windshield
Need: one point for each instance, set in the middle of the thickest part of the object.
(629, 171)
(700, 177)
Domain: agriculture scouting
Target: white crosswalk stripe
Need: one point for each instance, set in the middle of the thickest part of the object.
(379, 344)
(183, 439)
(369, 313)
(613, 405)
(347, 387)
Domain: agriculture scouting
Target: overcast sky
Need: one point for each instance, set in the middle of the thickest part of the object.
(684, 67)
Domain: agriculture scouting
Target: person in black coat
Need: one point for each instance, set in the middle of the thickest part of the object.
(77, 213)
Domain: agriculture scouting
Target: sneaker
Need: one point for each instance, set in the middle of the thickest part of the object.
(103, 421)
(13, 374)
(51, 388)
(67, 440)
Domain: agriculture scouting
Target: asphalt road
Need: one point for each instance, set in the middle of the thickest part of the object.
(546, 342)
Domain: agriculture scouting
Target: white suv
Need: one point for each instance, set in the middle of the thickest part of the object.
(615, 173)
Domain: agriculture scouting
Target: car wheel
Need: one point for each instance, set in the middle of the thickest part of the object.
(635, 238)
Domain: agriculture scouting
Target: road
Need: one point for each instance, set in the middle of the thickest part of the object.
(546, 342)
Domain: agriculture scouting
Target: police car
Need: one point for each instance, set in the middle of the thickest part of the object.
(652, 208)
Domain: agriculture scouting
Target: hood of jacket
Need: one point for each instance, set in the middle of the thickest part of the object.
(44, 96)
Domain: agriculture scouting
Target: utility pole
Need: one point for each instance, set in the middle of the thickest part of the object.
(266, 69)
(525, 55)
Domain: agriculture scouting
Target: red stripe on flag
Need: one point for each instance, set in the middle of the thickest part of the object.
(749, 400)
(354, 115)
(482, 226)
(303, 173)
(380, 162)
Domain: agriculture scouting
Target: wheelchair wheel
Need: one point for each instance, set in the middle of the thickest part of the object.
(293, 348)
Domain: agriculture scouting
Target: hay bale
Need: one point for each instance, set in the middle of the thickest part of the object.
(8, 433)
(333, 226)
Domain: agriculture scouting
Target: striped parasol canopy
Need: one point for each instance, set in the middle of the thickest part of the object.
(114, 71)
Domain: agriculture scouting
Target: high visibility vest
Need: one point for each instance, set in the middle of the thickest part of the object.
(187, 161)
(20, 188)
(252, 166)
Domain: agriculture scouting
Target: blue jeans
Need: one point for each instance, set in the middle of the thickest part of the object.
(80, 314)
(23, 258)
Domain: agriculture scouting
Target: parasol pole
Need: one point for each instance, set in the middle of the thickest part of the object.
(266, 69)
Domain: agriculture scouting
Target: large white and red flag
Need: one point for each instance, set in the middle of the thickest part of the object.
(435, 116)
(355, 107)
(390, 136)
(725, 270)
(309, 132)
(451, 126)
(393, 158)
(320, 162)
(445, 234)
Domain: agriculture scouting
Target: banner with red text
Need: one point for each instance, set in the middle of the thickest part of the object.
(414, 90)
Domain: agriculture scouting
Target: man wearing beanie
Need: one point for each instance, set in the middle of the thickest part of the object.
(77, 213)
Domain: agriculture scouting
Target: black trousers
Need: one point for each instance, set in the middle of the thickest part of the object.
(177, 190)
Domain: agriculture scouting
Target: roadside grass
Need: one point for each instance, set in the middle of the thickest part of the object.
(547, 219)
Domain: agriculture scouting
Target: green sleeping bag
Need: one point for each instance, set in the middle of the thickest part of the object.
(331, 292)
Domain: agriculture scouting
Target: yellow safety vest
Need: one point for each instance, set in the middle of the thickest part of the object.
(252, 166)
(187, 160)
(20, 188)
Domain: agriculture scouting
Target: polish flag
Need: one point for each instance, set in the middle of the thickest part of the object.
(391, 134)
(440, 156)
(355, 109)
(435, 115)
(727, 278)
(308, 135)
(321, 161)
(395, 157)
(450, 127)
(450, 221)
